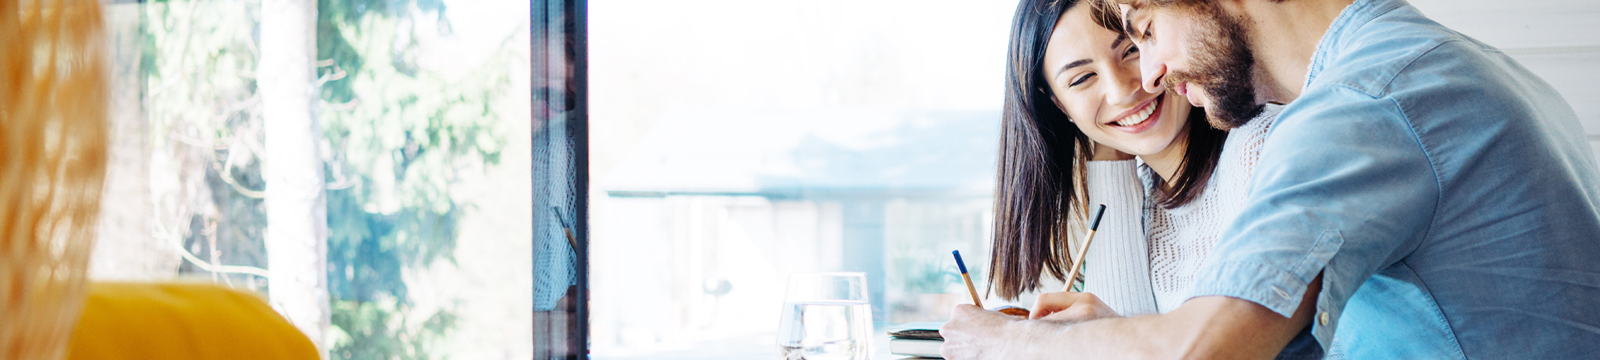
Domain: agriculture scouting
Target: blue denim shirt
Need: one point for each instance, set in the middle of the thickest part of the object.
(1445, 193)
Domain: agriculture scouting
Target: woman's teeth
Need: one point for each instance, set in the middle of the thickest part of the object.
(1139, 117)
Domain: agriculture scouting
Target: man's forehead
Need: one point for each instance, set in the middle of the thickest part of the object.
(1132, 11)
(1126, 14)
(1127, 9)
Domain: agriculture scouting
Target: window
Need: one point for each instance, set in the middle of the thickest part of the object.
(736, 142)
(400, 179)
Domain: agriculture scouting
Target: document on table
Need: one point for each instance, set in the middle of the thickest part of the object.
(916, 339)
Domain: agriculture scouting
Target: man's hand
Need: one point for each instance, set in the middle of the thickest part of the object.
(975, 333)
(1070, 307)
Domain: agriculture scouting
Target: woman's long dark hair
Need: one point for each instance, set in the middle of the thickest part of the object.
(1040, 187)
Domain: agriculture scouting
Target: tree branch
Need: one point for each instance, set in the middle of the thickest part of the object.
(227, 177)
(176, 240)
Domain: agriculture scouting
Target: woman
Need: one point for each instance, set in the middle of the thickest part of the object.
(1075, 119)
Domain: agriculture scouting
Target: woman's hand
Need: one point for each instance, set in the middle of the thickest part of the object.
(1107, 153)
(975, 333)
(1070, 307)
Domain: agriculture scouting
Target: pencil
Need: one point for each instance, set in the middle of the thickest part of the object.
(968, 279)
(1077, 261)
(571, 240)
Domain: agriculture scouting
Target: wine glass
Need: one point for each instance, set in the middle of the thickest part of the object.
(826, 316)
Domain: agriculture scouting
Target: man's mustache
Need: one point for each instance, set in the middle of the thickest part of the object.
(1172, 79)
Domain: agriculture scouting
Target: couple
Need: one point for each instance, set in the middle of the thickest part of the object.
(1418, 195)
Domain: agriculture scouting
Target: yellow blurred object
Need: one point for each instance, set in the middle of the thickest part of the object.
(182, 321)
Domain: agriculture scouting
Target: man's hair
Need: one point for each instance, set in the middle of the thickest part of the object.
(1112, 5)
(1112, 9)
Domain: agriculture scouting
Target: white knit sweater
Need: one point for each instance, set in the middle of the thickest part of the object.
(1144, 257)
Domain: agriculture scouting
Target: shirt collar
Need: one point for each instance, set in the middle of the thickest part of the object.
(1345, 26)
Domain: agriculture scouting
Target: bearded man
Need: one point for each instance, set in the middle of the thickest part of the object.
(1421, 196)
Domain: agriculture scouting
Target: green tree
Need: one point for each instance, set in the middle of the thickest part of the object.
(404, 134)
(394, 136)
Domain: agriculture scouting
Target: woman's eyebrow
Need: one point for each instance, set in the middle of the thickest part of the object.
(1118, 42)
(1073, 64)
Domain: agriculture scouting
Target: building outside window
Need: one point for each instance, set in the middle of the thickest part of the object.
(737, 142)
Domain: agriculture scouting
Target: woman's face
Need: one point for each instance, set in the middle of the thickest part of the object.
(1094, 74)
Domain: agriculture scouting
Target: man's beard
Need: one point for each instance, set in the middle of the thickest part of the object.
(1223, 66)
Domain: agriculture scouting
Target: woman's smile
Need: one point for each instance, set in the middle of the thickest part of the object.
(1093, 74)
(1139, 119)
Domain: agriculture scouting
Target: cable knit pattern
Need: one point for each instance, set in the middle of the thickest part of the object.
(1174, 242)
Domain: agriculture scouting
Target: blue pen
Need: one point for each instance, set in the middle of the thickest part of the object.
(966, 278)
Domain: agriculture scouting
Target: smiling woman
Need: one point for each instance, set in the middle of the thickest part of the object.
(1073, 95)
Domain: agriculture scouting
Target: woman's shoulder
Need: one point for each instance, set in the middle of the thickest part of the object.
(1236, 164)
(1244, 142)
(1258, 127)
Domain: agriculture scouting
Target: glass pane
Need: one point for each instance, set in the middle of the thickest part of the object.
(364, 164)
(737, 142)
(560, 177)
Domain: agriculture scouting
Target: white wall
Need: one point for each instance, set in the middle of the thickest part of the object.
(1557, 39)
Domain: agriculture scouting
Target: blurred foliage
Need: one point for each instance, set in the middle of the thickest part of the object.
(370, 329)
(198, 63)
(927, 276)
(396, 135)
(403, 134)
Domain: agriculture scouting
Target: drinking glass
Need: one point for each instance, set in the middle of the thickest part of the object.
(826, 316)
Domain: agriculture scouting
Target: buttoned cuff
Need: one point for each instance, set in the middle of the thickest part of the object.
(1276, 289)
(1279, 289)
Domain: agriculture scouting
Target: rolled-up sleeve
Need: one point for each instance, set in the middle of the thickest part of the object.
(1343, 188)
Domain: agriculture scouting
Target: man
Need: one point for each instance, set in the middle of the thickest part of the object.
(1421, 196)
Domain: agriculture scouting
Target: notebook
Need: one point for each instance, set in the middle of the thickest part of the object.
(916, 339)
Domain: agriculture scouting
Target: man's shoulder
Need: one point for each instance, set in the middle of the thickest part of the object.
(1429, 71)
(1379, 56)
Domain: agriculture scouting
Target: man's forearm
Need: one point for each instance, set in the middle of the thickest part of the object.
(1112, 338)
(1204, 327)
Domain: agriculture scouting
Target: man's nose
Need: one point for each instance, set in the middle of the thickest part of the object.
(1151, 69)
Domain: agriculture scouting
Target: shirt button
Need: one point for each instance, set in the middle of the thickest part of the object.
(1323, 318)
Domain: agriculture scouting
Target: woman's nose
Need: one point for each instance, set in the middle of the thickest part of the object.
(1126, 87)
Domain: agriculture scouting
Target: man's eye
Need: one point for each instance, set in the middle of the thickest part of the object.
(1146, 32)
(1081, 79)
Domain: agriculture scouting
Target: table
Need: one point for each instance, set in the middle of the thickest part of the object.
(747, 349)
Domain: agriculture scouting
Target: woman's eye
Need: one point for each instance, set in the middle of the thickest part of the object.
(1080, 79)
(1132, 50)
